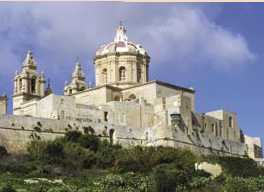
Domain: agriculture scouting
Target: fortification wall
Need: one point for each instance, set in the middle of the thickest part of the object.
(17, 131)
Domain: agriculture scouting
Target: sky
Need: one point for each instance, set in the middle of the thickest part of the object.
(217, 48)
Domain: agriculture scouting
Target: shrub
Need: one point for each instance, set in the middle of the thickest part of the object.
(7, 188)
(236, 184)
(41, 188)
(107, 154)
(167, 180)
(198, 182)
(79, 156)
(19, 168)
(36, 148)
(136, 159)
(239, 184)
(239, 167)
(182, 158)
(54, 149)
(73, 136)
(89, 142)
(127, 182)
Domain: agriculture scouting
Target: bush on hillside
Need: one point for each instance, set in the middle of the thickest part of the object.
(36, 148)
(107, 154)
(239, 167)
(239, 184)
(167, 179)
(7, 188)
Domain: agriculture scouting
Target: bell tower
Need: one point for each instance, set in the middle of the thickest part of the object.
(28, 84)
(78, 81)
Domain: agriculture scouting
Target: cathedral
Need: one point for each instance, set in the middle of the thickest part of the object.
(125, 106)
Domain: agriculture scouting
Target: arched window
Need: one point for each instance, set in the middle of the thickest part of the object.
(20, 84)
(132, 96)
(105, 75)
(122, 74)
(117, 98)
(33, 85)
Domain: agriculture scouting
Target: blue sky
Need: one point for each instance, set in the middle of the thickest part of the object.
(215, 47)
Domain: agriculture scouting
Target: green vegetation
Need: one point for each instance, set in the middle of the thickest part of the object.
(82, 163)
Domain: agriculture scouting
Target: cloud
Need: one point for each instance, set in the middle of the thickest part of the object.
(176, 35)
(189, 38)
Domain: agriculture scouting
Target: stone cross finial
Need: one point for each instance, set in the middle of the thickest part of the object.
(120, 23)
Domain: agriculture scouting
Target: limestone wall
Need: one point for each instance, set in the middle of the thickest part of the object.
(96, 96)
(198, 141)
(254, 146)
(147, 91)
(17, 131)
(130, 113)
(228, 122)
(167, 91)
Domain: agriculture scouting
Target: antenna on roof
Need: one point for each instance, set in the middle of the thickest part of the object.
(120, 23)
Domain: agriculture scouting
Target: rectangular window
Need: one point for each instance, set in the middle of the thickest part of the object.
(105, 116)
(230, 122)
(205, 126)
(235, 134)
(212, 127)
(227, 133)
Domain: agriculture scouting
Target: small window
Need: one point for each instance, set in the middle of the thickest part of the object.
(234, 134)
(230, 122)
(122, 74)
(106, 116)
(227, 133)
(205, 126)
(213, 127)
(33, 85)
(20, 84)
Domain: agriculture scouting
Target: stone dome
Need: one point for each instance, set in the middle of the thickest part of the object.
(121, 45)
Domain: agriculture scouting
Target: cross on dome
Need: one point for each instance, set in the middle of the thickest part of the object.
(120, 33)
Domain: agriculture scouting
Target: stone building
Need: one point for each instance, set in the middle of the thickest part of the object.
(3, 104)
(125, 106)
